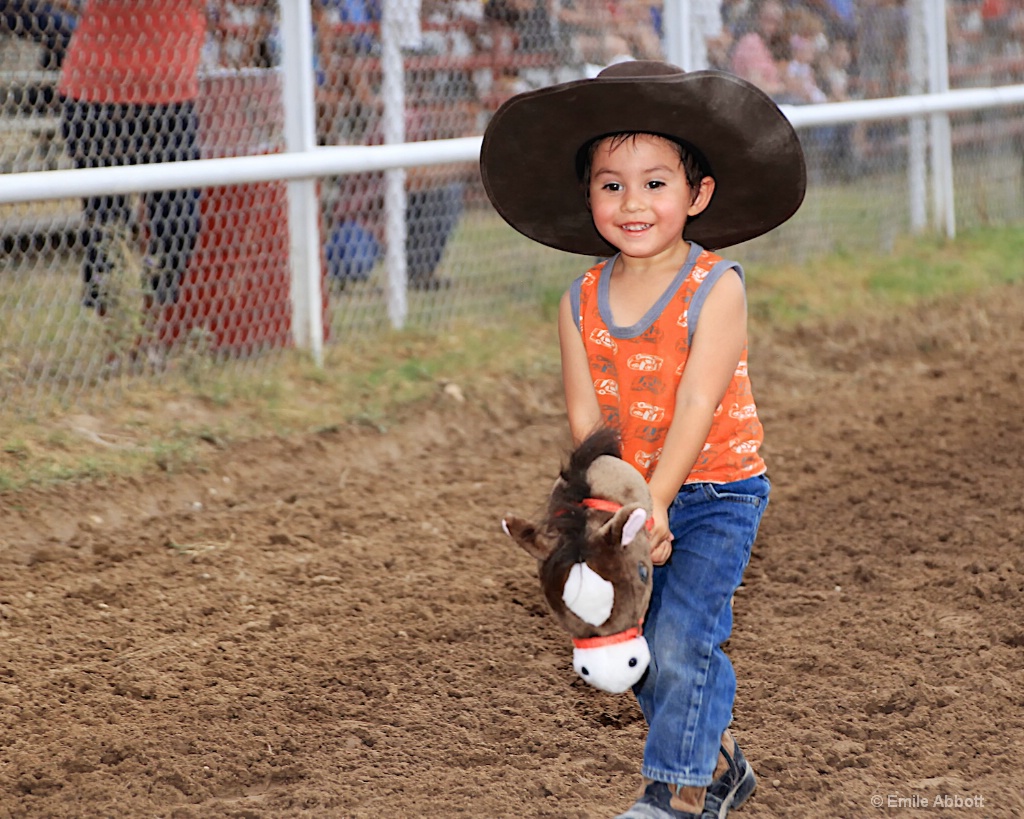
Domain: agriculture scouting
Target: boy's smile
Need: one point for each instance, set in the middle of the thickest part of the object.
(639, 196)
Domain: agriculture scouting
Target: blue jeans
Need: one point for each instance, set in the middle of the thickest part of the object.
(688, 691)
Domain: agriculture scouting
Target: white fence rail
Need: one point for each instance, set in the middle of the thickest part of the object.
(312, 164)
(345, 159)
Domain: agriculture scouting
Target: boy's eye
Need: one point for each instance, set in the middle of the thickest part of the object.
(611, 186)
(654, 184)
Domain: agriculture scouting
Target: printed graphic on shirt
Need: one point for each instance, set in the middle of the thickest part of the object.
(648, 383)
(645, 362)
(647, 460)
(652, 335)
(602, 365)
(652, 433)
(604, 338)
(744, 447)
(743, 413)
(646, 412)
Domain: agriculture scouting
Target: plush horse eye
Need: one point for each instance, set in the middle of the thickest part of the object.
(632, 662)
(585, 671)
(643, 572)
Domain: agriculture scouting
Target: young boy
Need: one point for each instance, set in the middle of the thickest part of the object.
(651, 165)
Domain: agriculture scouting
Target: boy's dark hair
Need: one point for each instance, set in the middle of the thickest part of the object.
(694, 165)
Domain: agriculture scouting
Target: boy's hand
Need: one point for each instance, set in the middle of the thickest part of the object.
(661, 537)
(661, 552)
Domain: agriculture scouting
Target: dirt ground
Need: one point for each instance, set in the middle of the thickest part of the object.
(336, 626)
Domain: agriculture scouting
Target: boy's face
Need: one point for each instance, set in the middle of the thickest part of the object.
(639, 197)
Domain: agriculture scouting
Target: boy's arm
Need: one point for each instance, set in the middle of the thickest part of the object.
(715, 353)
(580, 399)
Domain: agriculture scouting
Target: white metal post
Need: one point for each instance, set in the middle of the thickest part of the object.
(677, 37)
(303, 202)
(393, 91)
(687, 25)
(917, 150)
(941, 140)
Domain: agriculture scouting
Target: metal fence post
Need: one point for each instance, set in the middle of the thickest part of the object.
(944, 212)
(303, 202)
(393, 91)
(917, 168)
(677, 43)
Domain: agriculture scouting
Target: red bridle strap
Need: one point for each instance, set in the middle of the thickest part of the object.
(608, 639)
(603, 505)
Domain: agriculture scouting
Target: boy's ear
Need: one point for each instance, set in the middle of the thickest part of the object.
(702, 199)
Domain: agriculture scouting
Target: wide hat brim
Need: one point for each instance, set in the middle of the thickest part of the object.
(528, 159)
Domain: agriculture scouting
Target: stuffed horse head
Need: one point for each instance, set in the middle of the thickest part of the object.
(593, 558)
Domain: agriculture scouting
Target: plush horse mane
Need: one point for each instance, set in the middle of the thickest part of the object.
(567, 516)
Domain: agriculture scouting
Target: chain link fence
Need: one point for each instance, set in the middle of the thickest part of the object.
(111, 288)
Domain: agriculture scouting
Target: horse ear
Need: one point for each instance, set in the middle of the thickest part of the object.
(628, 522)
(528, 536)
(633, 525)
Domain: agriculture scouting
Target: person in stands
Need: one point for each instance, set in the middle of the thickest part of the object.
(128, 87)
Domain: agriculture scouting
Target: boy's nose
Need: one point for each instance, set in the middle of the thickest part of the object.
(632, 202)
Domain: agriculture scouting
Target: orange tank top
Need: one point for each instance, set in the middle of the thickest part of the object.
(135, 51)
(636, 372)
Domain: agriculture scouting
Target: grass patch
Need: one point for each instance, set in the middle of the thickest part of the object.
(170, 423)
(844, 283)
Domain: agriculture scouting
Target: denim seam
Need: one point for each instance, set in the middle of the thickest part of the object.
(752, 500)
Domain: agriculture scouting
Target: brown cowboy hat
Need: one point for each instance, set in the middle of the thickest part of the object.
(530, 154)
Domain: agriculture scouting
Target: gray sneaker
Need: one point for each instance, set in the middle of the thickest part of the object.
(732, 788)
(655, 804)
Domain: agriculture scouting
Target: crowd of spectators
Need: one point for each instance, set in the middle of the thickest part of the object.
(797, 50)
(821, 50)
